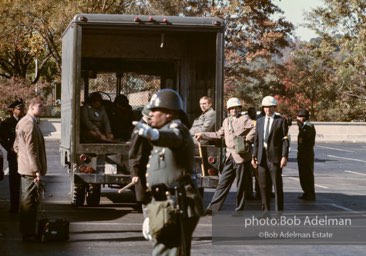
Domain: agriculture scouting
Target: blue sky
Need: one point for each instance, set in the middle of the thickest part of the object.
(294, 12)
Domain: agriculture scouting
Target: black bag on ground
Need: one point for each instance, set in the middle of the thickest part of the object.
(53, 229)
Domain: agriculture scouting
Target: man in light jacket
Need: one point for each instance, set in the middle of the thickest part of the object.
(206, 121)
(32, 164)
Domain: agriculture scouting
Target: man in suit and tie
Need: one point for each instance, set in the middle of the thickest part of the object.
(270, 154)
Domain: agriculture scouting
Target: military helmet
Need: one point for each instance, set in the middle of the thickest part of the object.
(167, 99)
(146, 111)
(303, 113)
(19, 103)
(233, 102)
(269, 101)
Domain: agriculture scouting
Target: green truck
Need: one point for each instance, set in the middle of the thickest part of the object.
(135, 55)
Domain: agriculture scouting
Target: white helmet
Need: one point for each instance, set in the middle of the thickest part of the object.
(269, 101)
(233, 102)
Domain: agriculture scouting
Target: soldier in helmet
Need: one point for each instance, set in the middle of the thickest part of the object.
(7, 137)
(305, 154)
(270, 154)
(168, 175)
(237, 165)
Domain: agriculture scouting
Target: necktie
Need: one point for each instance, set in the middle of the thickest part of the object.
(231, 129)
(266, 135)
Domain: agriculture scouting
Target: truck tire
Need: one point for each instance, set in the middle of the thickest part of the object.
(93, 195)
(78, 197)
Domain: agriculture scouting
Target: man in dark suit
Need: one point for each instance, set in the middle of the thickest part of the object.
(270, 154)
(7, 137)
(138, 157)
(305, 154)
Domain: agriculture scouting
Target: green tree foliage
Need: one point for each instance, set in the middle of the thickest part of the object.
(253, 38)
(338, 91)
(33, 32)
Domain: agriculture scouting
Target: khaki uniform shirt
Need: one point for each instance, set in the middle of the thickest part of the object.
(240, 126)
(204, 123)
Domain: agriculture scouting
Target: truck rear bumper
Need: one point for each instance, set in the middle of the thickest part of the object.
(93, 178)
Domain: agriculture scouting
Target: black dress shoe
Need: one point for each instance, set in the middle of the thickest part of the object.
(11, 210)
(30, 238)
(208, 212)
(307, 198)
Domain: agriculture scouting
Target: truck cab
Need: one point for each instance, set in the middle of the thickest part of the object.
(134, 56)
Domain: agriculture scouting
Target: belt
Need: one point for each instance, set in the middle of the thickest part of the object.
(28, 176)
(160, 192)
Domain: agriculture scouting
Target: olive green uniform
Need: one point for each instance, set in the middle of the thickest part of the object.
(171, 164)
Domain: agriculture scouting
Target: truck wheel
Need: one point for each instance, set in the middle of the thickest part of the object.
(93, 195)
(78, 197)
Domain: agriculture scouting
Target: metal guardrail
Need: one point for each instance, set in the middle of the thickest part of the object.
(326, 131)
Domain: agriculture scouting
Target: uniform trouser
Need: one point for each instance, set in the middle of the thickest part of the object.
(249, 183)
(305, 161)
(14, 184)
(230, 171)
(167, 249)
(28, 206)
(268, 174)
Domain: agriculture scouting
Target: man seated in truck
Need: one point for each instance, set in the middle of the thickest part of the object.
(206, 121)
(95, 126)
(120, 114)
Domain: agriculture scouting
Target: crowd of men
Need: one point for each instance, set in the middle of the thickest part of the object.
(161, 160)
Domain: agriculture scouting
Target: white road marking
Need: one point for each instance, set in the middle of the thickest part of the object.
(341, 207)
(316, 185)
(364, 174)
(348, 210)
(346, 158)
(338, 149)
(320, 186)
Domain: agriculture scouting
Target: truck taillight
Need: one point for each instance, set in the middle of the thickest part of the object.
(137, 19)
(212, 172)
(84, 158)
(151, 19)
(211, 159)
(86, 169)
(165, 20)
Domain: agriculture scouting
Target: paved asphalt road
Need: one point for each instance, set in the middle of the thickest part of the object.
(114, 228)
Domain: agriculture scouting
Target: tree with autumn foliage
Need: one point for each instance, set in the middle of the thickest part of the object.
(30, 45)
(327, 74)
(253, 39)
